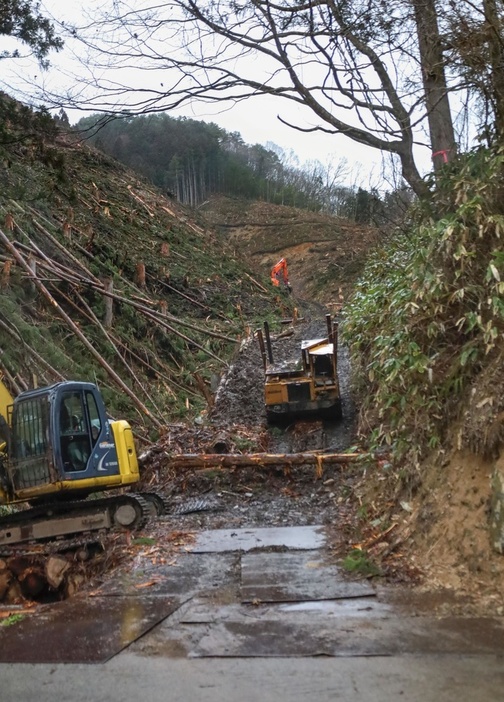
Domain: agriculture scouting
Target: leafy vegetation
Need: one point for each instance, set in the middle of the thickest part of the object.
(428, 314)
(358, 561)
(12, 619)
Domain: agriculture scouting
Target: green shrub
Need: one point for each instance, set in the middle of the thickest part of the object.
(429, 308)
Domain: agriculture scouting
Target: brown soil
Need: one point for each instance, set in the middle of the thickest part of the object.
(449, 526)
(324, 253)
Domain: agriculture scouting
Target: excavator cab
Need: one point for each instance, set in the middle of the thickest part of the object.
(61, 441)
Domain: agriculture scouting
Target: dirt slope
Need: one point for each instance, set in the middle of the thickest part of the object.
(324, 253)
(84, 223)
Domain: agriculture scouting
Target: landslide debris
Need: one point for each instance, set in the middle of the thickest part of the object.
(325, 254)
(243, 496)
(104, 278)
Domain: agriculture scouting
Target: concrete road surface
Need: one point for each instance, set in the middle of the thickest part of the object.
(250, 615)
(135, 678)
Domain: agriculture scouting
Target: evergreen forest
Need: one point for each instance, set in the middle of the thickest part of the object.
(191, 160)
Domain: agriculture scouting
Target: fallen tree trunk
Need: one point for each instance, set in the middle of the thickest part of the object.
(76, 330)
(229, 460)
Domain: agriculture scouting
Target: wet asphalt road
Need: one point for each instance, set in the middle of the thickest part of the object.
(250, 614)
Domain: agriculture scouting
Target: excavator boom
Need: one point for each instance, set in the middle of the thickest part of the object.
(280, 273)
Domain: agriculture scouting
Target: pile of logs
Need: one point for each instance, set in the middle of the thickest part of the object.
(42, 577)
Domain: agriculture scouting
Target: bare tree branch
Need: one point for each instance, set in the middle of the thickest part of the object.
(353, 66)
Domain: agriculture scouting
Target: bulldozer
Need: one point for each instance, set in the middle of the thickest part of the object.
(58, 447)
(306, 386)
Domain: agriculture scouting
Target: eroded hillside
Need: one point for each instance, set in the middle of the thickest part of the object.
(325, 254)
(104, 278)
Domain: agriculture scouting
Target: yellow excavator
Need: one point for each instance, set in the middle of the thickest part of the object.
(57, 447)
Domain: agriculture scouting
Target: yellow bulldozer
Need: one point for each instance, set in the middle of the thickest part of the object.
(305, 386)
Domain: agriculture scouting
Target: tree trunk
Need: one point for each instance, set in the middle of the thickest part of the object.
(410, 174)
(496, 50)
(434, 81)
(109, 304)
(229, 460)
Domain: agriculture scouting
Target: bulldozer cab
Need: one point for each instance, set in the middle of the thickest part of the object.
(59, 433)
(319, 361)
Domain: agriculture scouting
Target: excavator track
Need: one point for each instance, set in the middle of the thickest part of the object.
(55, 546)
(157, 503)
(69, 519)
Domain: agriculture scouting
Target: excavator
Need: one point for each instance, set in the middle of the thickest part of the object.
(57, 447)
(280, 273)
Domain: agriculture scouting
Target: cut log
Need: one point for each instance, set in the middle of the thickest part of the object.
(229, 460)
(13, 594)
(18, 564)
(32, 581)
(55, 569)
(73, 584)
(5, 579)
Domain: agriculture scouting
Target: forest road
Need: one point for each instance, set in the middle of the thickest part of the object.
(252, 614)
(254, 605)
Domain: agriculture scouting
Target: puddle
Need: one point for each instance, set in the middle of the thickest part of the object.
(355, 607)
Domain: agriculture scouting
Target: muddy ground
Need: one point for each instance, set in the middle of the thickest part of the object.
(237, 424)
(232, 497)
(427, 543)
(274, 496)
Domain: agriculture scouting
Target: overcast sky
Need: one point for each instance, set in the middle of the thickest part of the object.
(255, 119)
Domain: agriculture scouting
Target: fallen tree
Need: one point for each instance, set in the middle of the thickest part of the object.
(228, 460)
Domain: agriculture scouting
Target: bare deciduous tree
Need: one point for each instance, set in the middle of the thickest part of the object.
(347, 67)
